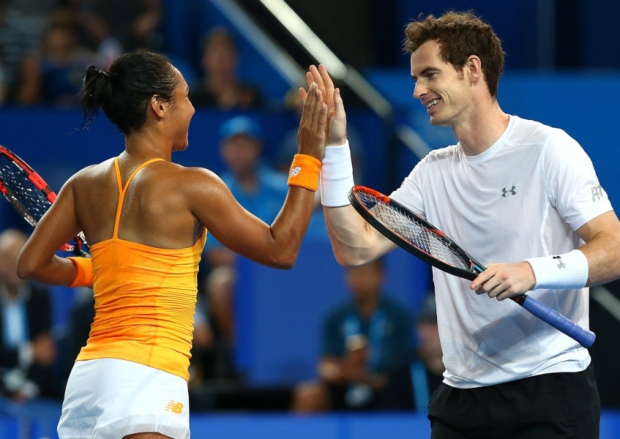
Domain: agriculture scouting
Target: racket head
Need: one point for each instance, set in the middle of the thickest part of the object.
(30, 195)
(23, 188)
(413, 233)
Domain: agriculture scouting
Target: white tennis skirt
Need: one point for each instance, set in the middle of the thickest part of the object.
(109, 398)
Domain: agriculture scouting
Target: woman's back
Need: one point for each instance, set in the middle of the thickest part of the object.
(145, 291)
(155, 210)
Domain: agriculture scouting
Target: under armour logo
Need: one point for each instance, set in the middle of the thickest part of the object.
(560, 264)
(174, 407)
(509, 191)
(295, 170)
(597, 193)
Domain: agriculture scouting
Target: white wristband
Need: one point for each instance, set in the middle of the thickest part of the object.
(336, 176)
(560, 272)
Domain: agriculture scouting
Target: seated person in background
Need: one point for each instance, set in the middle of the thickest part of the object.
(212, 359)
(367, 342)
(22, 23)
(28, 351)
(427, 366)
(54, 76)
(220, 86)
(130, 25)
(80, 319)
(260, 190)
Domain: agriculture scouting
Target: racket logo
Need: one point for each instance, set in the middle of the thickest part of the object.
(560, 263)
(295, 170)
(509, 191)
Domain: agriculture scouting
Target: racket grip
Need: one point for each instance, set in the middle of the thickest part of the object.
(561, 323)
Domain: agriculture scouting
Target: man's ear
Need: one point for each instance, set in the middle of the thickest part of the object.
(157, 106)
(473, 66)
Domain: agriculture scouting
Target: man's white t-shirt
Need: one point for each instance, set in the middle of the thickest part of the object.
(523, 197)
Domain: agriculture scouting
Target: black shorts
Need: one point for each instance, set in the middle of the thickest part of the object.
(556, 405)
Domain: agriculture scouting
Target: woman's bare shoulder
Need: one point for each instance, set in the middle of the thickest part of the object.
(94, 170)
(189, 176)
(90, 173)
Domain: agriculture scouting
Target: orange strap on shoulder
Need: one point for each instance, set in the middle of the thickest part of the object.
(84, 276)
(305, 172)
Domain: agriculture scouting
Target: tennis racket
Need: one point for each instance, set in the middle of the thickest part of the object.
(30, 195)
(422, 239)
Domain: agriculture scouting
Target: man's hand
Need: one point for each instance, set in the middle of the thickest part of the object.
(502, 281)
(336, 116)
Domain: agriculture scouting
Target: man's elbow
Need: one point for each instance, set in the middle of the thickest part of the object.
(348, 259)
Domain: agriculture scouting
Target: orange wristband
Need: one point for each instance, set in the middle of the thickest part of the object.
(84, 277)
(305, 172)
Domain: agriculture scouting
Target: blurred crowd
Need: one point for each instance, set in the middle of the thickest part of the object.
(45, 46)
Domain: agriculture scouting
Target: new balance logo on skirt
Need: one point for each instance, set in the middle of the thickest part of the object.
(174, 407)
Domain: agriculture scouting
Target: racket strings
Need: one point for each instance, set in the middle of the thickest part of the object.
(21, 192)
(413, 231)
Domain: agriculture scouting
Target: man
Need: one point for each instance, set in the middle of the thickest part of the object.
(260, 189)
(367, 343)
(525, 198)
(28, 351)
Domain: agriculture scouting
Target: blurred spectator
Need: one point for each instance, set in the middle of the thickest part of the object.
(258, 188)
(3, 85)
(367, 343)
(22, 23)
(261, 190)
(54, 75)
(80, 319)
(220, 86)
(212, 365)
(427, 366)
(28, 350)
(113, 27)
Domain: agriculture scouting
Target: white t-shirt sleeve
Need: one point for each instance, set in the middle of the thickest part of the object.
(571, 182)
(409, 194)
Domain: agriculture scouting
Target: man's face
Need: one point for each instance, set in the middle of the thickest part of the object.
(441, 89)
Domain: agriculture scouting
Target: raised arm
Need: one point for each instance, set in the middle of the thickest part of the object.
(276, 245)
(353, 240)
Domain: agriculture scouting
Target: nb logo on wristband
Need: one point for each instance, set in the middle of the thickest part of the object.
(560, 263)
(295, 170)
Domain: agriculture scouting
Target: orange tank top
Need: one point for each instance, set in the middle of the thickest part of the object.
(145, 298)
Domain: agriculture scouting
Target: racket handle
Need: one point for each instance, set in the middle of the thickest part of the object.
(583, 337)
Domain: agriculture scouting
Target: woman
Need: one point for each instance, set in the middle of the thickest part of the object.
(146, 220)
